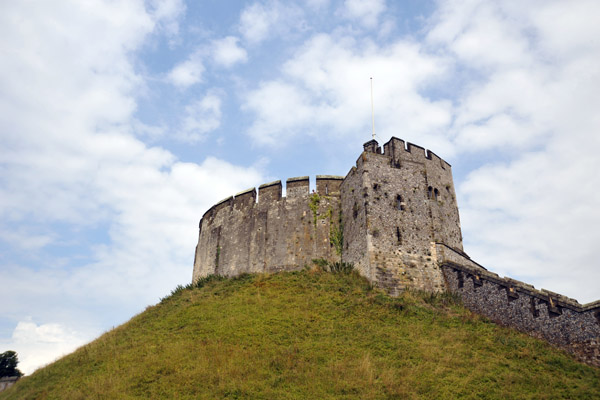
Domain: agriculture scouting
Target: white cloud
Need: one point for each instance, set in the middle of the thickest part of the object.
(281, 109)
(71, 166)
(531, 216)
(325, 88)
(167, 13)
(365, 12)
(38, 345)
(187, 73)
(484, 34)
(227, 52)
(26, 239)
(317, 4)
(270, 19)
(201, 116)
(256, 21)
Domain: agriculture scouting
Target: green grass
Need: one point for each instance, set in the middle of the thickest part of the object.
(309, 335)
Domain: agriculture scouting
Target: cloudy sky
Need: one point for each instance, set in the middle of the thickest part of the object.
(121, 122)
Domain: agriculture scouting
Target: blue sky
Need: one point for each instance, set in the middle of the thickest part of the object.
(121, 122)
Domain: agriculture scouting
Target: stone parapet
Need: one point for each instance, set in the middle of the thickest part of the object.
(239, 234)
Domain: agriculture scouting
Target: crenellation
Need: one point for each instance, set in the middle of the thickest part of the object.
(415, 150)
(244, 199)
(297, 187)
(372, 147)
(223, 204)
(329, 185)
(269, 192)
(396, 219)
(437, 160)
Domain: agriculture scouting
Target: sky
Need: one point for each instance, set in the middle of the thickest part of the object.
(122, 122)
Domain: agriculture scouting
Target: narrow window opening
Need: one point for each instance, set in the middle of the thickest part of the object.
(461, 279)
(436, 194)
(326, 189)
(534, 311)
(430, 192)
(398, 235)
(355, 210)
(399, 203)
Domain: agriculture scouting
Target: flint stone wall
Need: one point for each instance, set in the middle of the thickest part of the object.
(558, 319)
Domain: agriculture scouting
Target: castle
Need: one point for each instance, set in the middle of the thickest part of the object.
(394, 216)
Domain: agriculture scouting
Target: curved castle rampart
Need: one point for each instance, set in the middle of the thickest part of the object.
(275, 233)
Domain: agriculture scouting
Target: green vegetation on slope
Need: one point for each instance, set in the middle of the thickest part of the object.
(309, 335)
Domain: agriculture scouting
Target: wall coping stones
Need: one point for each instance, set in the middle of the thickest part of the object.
(298, 178)
(223, 201)
(264, 185)
(245, 192)
(461, 253)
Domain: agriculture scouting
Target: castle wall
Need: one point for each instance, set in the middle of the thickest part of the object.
(240, 235)
(354, 220)
(543, 314)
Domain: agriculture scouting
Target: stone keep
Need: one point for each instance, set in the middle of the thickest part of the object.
(395, 217)
(392, 208)
(395, 207)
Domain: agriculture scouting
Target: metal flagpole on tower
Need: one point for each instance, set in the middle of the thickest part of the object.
(372, 110)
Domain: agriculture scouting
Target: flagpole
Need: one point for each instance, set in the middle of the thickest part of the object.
(372, 110)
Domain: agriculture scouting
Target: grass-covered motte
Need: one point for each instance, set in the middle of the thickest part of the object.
(309, 335)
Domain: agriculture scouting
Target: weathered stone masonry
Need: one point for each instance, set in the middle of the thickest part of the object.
(398, 214)
(278, 233)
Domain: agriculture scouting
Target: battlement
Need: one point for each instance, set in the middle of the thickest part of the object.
(558, 319)
(297, 187)
(398, 150)
(263, 231)
(327, 185)
(513, 287)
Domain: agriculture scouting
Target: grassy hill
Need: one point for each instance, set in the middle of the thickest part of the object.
(309, 335)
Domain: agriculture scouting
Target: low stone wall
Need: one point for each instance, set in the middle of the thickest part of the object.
(558, 319)
(7, 381)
